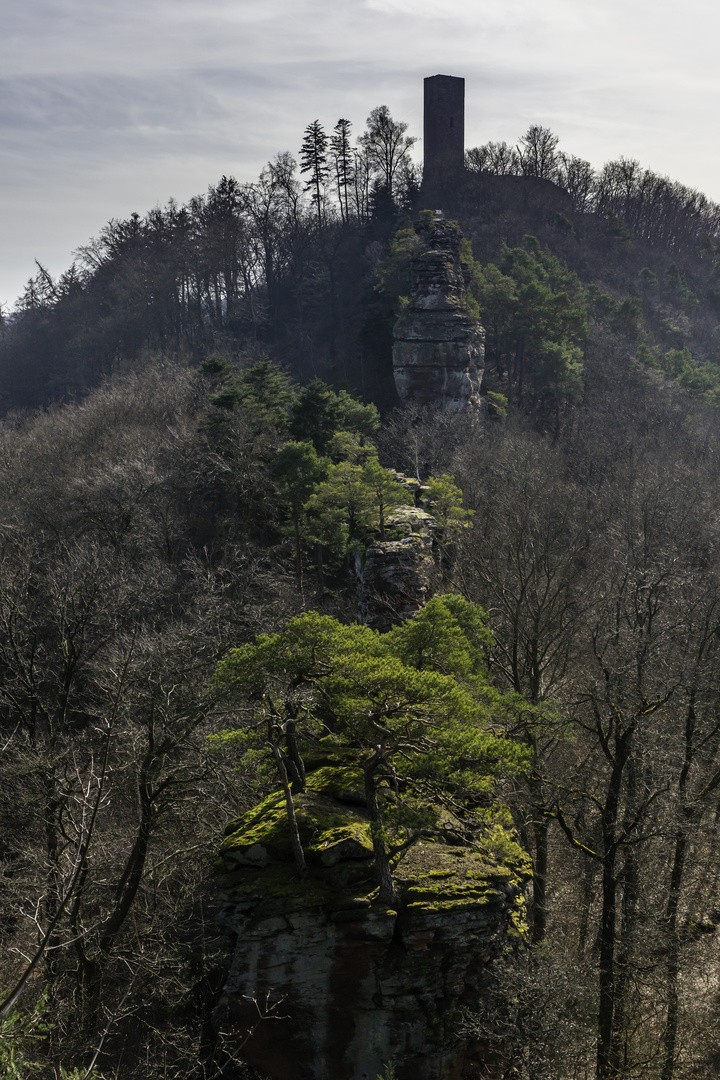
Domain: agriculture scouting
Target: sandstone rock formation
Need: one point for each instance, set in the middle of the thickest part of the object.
(357, 986)
(439, 355)
(395, 576)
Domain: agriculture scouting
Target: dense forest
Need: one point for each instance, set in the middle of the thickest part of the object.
(200, 430)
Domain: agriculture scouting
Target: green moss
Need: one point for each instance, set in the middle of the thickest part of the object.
(329, 752)
(256, 868)
(518, 927)
(344, 782)
(438, 878)
(265, 824)
(328, 830)
(446, 893)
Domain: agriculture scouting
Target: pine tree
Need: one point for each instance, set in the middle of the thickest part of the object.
(342, 156)
(313, 160)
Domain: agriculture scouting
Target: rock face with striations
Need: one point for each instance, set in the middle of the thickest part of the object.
(439, 353)
(396, 576)
(358, 987)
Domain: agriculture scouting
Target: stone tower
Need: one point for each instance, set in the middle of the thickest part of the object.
(443, 129)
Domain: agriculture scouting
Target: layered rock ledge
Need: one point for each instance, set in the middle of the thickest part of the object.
(351, 986)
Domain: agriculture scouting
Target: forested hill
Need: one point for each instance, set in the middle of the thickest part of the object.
(293, 266)
(189, 488)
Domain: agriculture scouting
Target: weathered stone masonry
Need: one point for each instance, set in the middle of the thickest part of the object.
(443, 132)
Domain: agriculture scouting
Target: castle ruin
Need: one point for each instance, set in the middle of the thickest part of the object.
(443, 130)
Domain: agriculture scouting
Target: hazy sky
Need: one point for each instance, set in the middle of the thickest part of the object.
(107, 108)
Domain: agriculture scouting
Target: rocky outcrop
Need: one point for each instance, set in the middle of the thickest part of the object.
(439, 354)
(348, 987)
(396, 576)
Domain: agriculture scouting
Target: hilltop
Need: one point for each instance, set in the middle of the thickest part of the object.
(286, 268)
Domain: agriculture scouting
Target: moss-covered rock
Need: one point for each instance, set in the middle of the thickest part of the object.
(330, 831)
(342, 782)
(360, 985)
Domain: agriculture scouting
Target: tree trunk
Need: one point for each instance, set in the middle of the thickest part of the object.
(622, 961)
(588, 878)
(669, 1039)
(540, 867)
(386, 894)
(54, 889)
(298, 558)
(295, 761)
(606, 1004)
(607, 967)
(295, 841)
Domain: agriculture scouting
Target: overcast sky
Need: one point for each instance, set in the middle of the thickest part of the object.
(107, 108)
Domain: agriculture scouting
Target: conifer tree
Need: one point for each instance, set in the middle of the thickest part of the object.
(415, 705)
(313, 160)
(342, 156)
